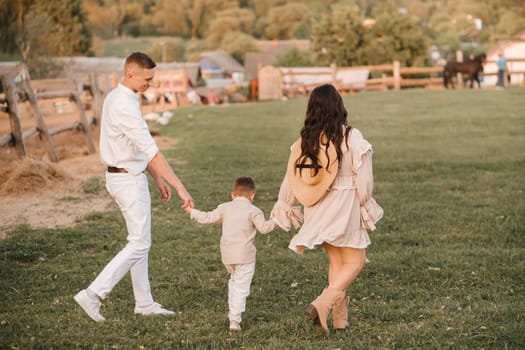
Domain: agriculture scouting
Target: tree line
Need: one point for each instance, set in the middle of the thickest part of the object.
(342, 32)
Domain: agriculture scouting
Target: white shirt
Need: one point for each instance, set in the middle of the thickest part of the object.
(125, 140)
(240, 221)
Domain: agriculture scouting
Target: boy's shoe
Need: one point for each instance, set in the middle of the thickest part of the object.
(154, 309)
(89, 305)
(235, 326)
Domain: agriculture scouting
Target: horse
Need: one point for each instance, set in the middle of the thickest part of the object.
(470, 68)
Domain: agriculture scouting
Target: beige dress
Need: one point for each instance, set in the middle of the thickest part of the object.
(343, 216)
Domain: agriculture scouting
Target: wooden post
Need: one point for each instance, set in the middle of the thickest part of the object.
(113, 80)
(333, 72)
(42, 127)
(97, 97)
(86, 125)
(459, 58)
(107, 83)
(397, 75)
(259, 67)
(14, 118)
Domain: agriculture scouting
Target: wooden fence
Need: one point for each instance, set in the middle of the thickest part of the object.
(295, 81)
(514, 72)
(73, 103)
(279, 82)
(18, 87)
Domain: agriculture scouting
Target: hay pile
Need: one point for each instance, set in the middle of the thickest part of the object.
(31, 176)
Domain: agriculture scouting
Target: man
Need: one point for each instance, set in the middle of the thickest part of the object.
(128, 150)
(502, 62)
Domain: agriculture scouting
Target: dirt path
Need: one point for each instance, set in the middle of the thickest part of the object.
(40, 193)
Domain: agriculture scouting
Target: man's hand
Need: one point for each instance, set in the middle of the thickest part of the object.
(164, 189)
(186, 198)
(159, 168)
(187, 210)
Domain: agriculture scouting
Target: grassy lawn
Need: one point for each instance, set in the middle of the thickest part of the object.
(123, 47)
(447, 263)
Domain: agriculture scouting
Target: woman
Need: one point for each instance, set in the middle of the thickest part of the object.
(330, 173)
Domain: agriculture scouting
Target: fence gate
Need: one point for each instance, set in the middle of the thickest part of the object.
(270, 83)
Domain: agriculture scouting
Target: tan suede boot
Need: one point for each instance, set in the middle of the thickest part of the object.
(319, 309)
(340, 314)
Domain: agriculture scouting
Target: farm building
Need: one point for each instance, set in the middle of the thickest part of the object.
(514, 51)
(268, 51)
(220, 69)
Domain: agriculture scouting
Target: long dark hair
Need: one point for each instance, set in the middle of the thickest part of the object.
(325, 115)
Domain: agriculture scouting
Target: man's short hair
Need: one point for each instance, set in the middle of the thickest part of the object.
(141, 59)
(244, 186)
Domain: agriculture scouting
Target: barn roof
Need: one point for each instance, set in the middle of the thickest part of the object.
(268, 52)
(220, 60)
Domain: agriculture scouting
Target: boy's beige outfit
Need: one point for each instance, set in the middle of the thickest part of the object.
(240, 222)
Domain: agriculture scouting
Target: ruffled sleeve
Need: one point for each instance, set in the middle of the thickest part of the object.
(284, 213)
(362, 172)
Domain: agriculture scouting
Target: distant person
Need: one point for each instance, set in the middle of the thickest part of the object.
(193, 96)
(240, 221)
(330, 173)
(212, 98)
(128, 151)
(502, 62)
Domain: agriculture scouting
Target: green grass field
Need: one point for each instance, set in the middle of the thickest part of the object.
(123, 47)
(447, 263)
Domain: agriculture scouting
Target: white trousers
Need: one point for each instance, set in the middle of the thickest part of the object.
(132, 195)
(241, 276)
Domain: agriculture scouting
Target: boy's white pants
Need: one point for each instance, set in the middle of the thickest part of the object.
(241, 276)
(132, 195)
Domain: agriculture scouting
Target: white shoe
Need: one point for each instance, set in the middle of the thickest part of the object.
(154, 309)
(89, 305)
(235, 326)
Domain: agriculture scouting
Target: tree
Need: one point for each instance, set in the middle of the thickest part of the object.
(394, 36)
(231, 20)
(50, 27)
(510, 23)
(284, 22)
(338, 36)
(111, 18)
(200, 12)
(12, 17)
(46, 27)
(169, 50)
(237, 44)
(169, 17)
(261, 7)
(293, 57)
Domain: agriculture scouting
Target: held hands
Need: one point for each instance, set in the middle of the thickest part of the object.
(165, 194)
(186, 198)
(159, 169)
(187, 210)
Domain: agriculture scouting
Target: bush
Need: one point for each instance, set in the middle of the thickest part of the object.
(92, 185)
(294, 57)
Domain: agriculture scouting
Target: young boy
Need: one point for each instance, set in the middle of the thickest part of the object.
(240, 222)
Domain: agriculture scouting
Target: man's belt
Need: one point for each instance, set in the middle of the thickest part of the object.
(112, 169)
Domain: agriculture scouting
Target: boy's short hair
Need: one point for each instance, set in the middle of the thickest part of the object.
(244, 186)
(141, 59)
